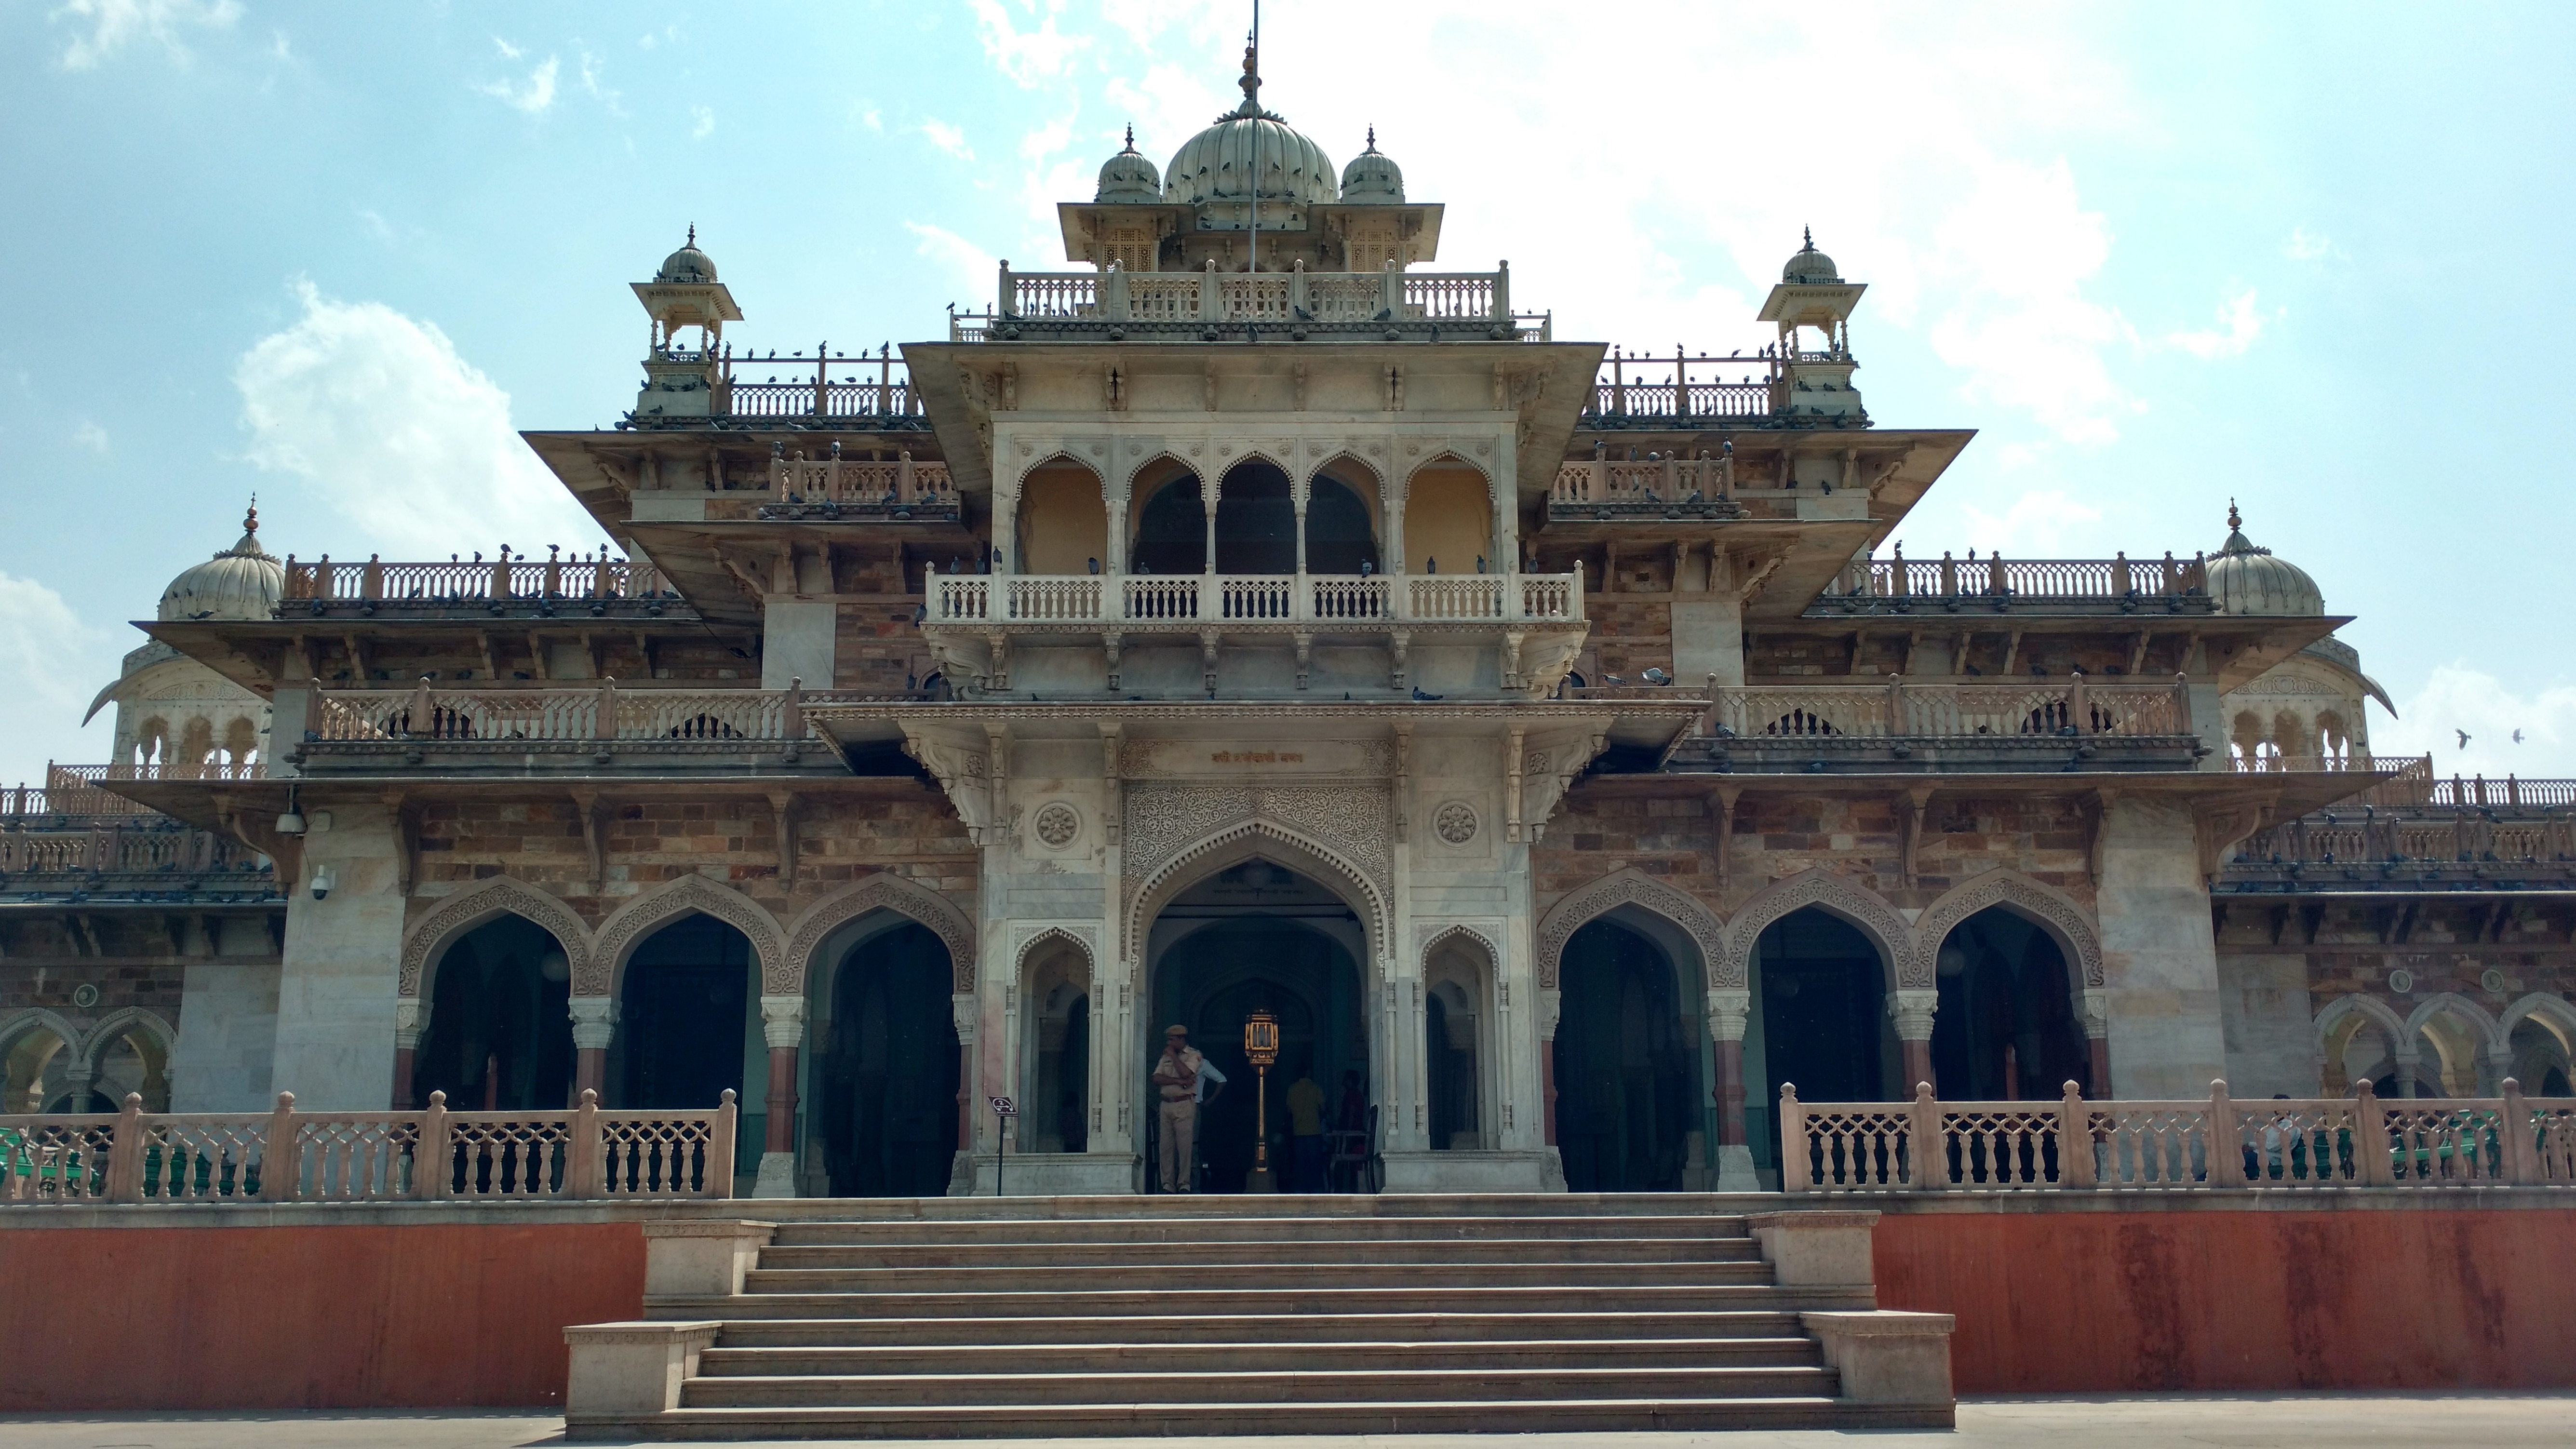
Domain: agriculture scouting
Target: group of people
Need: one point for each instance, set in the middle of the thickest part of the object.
(1186, 1081)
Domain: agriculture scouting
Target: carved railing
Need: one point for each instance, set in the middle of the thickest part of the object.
(2073, 1145)
(1465, 300)
(894, 489)
(1922, 709)
(506, 576)
(152, 846)
(605, 712)
(1997, 580)
(1634, 388)
(1045, 599)
(866, 387)
(1696, 487)
(586, 1152)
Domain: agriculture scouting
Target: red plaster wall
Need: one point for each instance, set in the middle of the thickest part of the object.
(2110, 1302)
(305, 1318)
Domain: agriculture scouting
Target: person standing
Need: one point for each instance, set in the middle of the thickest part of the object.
(1305, 1135)
(1181, 1080)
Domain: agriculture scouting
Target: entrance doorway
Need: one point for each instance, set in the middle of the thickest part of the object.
(1823, 994)
(2006, 1028)
(1627, 1077)
(1254, 937)
(889, 1071)
(500, 1033)
(683, 1014)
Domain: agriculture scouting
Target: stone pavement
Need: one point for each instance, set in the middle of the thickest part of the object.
(2246, 1421)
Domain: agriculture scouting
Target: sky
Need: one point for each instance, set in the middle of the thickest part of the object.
(2160, 256)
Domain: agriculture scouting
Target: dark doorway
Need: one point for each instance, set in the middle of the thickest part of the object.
(1341, 532)
(1171, 531)
(1261, 936)
(500, 1029)
(682, 1018)
(1256, 522)
(1626, 1076)
(889, 1069)
(1824, 1016)
(2006, 1029)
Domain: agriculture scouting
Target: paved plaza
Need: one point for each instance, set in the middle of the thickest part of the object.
(2248, 1421)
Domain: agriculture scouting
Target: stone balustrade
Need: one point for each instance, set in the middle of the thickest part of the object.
(1900, 584)
(573, 728)
(2070, 1145)
(1184, 305)
(507, 584)
(586, 1152)
(1905, 708)
(1326, 600)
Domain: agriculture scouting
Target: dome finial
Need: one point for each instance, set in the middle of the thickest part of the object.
(1251, 81)
(1372, 141)
(1131, 137)
(1811, 238)
(250, 520)
(2233, 521)
(693, 233)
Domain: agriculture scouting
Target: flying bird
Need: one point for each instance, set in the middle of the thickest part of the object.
(2464, 737)
(2517, 737)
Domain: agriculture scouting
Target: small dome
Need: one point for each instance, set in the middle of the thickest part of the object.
(1217, 163)
(2246, 579)
(1129, 177)
(1810, 265)
(1372, 177)
(688, 264)
(242, 582)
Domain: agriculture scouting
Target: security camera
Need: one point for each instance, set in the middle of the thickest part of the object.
(322, 883)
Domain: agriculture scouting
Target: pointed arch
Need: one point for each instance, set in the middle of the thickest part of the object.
(1865, 909)
(630, 923)
(124, 1019)
(2370, 1010)
(1245, 840)
(426, 943)
(15, 1028)
(1633, 887)
(1127, 484)
(2552, 1011)
(883, 891)
(2044, 906)
(2481, 1027)
(1063, 457)
(1375, 473)
(1493, 953)
(1448, 457)
(1055, 936)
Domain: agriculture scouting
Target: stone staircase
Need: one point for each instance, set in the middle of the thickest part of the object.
(980, 1318)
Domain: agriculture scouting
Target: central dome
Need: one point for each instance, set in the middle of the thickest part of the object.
(2247, 579)
(1218, 164)
(242, 582)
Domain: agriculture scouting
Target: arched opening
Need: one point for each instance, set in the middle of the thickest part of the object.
(1455, 1023)
(1055, 1045)
(2006, 1028)
(39, 1064)
(1063, 521)
(2355, 1047)
(135, 1060)
(2290, 735)
(685, 1024)
(1259, 936)
(1172, 527)
(1627, 1070)
(889, 1068)
(1448, 520)
(2541, 1057)
(500, 1028)
(1256, 521)
(1341, 526)
(1820, 994)
(196, 747)
(241, 744)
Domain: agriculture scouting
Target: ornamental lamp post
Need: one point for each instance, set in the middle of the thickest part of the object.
(1261, 1047)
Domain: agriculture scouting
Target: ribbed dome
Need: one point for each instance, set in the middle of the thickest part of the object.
(1810, 265)
(1217, 163)
(2246, 579)
(1129, 177)
(688, 264)
(242, 582)
(1372, 177)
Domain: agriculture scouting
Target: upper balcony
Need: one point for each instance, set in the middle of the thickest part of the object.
(1116, 305)
(508, 586)
(602, 728)
(2413, 832)
(1920, 726)
(75, 843)
(716, 389)
(2112, 586)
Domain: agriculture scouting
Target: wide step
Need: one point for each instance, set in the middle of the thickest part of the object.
(1487, 1355)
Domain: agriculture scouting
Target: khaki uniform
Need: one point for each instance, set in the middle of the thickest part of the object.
(1176, 1081)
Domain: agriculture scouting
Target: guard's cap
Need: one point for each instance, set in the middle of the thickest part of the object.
(1176, 1031)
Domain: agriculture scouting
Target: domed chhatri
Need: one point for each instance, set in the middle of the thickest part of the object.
(243, 582)
(2247, 579)
(1810, 266)
(1129, 177)
(1372, 178)
(687, 265)
(1217, 163)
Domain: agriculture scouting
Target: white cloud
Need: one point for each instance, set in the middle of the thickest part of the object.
(595, 84)
(534, 95)
(388, 426)
(91, 436)
(1026, 56)
(508, 51)
(2307, 246)
(2239, 323)
(971, 269)
(2035, 525)
(2457, 698)
(947, 138)
(703, 122)
(50, 664)
(115, 24)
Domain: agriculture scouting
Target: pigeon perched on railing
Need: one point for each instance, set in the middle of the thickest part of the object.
(1418, 694)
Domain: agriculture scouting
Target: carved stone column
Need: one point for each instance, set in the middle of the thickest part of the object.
(782, 1026)
(411, 1019)
(965, 1010)
(1912, 1011)
(594, 1025)
(1727, 1013)
(2097, 1041)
